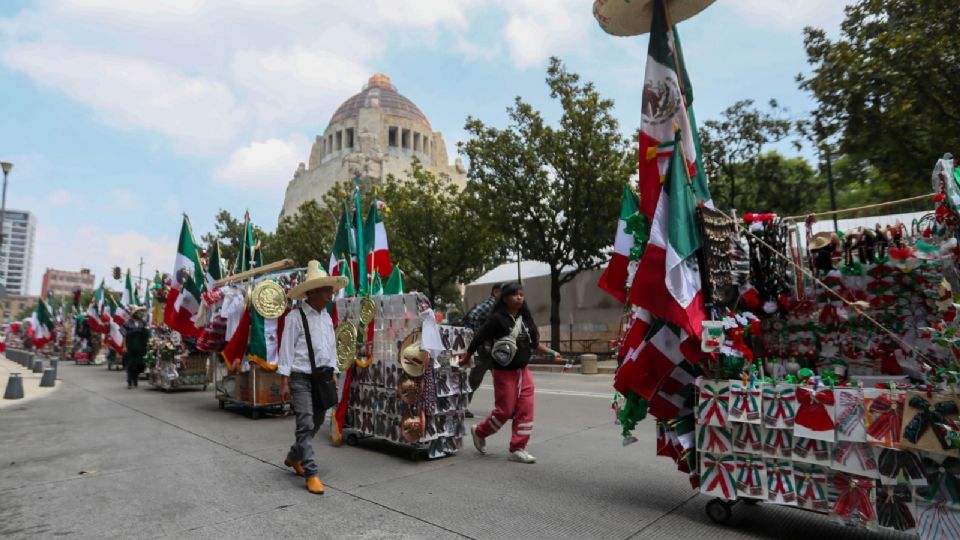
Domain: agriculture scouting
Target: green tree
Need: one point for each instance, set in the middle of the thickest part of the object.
(732, 146)
(774, 183)
(434, 233)
(306, 235)
(230, 231)
(554, 191)
(887, 90)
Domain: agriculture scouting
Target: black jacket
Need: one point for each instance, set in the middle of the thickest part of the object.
(500, 324)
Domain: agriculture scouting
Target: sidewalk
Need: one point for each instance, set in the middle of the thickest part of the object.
(31, 382)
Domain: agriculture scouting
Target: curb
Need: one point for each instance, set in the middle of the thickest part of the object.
(574, 370)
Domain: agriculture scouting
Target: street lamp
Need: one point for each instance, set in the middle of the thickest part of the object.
(6, 166)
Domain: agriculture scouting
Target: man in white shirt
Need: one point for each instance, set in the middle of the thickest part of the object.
(308, 386)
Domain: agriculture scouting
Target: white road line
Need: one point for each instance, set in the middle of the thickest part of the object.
(554, 392)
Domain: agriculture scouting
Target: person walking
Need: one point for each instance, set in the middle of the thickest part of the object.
(308, 366)
(510, 321)
(136, 334)
(474, 320)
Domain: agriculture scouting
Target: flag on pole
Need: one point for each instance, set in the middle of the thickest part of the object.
(214, 265)
(95, 310)
(344, 246)
(128, 297)
(184, 299)
(42, 324)
(614, 278)
(236, 347)
(667, 282)
(395, 282)
(250, 255)
(376, 248)
(264, 345)
(361, 273)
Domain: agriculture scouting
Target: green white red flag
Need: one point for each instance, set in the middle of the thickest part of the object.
(263, 348)
(42, 324)
(376, 247)
(95, 312)
(183, 302)
(251, 255)
(215, 270)
(614, 278)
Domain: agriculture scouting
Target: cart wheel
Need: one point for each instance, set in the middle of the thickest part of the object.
(751, 502)
(352, 439)
(222, 404)
(255, 414)
(718, 511)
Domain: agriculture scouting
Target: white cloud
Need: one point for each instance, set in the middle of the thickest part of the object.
(537, 29)
(790, 14)
(60, 197)
(198, 112)
(123, 199)
(263, 166)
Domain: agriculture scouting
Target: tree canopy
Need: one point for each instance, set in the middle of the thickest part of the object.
(554, 191)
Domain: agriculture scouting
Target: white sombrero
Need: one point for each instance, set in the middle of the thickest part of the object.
(634, 17)
(316, 278)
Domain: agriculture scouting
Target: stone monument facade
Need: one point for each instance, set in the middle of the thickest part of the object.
(374, 133)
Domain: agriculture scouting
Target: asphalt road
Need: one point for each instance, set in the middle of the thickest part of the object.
(95, 460)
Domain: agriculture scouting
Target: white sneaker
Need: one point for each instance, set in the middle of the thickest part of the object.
(522, 456)
(480, 443)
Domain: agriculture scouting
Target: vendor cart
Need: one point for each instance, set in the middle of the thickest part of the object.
(256, 390)
(422, 412)
(185, 372)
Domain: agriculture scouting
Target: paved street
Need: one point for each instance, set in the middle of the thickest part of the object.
(93, 459)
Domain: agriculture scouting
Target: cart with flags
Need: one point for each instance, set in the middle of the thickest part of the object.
(816, 371)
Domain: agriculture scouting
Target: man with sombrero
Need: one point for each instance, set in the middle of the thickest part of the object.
(308, 366)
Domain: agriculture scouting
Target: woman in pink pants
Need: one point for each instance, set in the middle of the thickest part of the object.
(512, 383)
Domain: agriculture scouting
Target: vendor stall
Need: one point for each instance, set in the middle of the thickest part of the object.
(171, 364)
(405, 384)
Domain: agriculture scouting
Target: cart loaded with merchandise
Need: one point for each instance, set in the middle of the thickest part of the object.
(400, 376)
(827, 377)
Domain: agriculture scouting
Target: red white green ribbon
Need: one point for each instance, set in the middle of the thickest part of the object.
(811, 487)
(779, 441)
(860, 451)
(886, 416)
(854, 497)
(938, 521)
(781, 405)
(748, 434)
(749, 471)
(803, 446)
(746, 401)
(714, 405)
(717, 475)
(849, 412)
(780, 481)
(715, 439)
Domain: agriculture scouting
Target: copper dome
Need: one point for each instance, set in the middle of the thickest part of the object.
(380, 93)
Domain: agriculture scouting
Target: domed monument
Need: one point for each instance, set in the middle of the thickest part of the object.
(374, 133)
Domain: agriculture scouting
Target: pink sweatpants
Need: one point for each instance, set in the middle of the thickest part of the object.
(513, 398)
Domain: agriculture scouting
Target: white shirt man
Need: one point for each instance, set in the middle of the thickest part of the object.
(293, 346)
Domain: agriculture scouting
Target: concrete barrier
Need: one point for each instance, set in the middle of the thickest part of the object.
(38, 366)
(14, 387)
(49, 378)
(54, 363)
(588, 364)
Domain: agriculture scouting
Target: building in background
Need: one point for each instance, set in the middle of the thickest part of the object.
(375, 133)
(12, 305)
(16, 253)
(63, 282)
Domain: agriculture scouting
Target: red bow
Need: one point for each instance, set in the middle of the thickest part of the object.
(813, 413)
(886, 417)
(854, 496)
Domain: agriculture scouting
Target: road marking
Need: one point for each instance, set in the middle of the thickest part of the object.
(554, 392)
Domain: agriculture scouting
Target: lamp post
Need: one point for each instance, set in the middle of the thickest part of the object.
(6, 166)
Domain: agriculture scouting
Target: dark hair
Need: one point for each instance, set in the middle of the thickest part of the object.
(507, 290)
(495, 288)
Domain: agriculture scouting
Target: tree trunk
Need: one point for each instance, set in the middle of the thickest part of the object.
(555, 309)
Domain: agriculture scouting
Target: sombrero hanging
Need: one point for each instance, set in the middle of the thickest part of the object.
(634, 17)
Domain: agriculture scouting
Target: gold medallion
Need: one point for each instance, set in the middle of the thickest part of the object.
(368, 310)
(269, 299)
(346, 336)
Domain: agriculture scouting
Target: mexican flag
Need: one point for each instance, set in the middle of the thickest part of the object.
(360, 274)
(667, 282)
(264, 346)
(95, 309)
(128, 297)
(344, 246)
(41, 325)
(236, 347)
(395, 282)
(214, 265)
(376, 248)
(184, 299)
(250, 256)
(666, 107)
(614, 278)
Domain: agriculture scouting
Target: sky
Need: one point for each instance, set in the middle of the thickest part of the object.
(120, 116)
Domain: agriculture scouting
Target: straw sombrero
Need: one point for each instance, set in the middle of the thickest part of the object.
(634, 17)
(412, 358)
(316, 278)
(820, 241)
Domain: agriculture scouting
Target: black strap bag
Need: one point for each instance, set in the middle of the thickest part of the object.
(322, 386)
